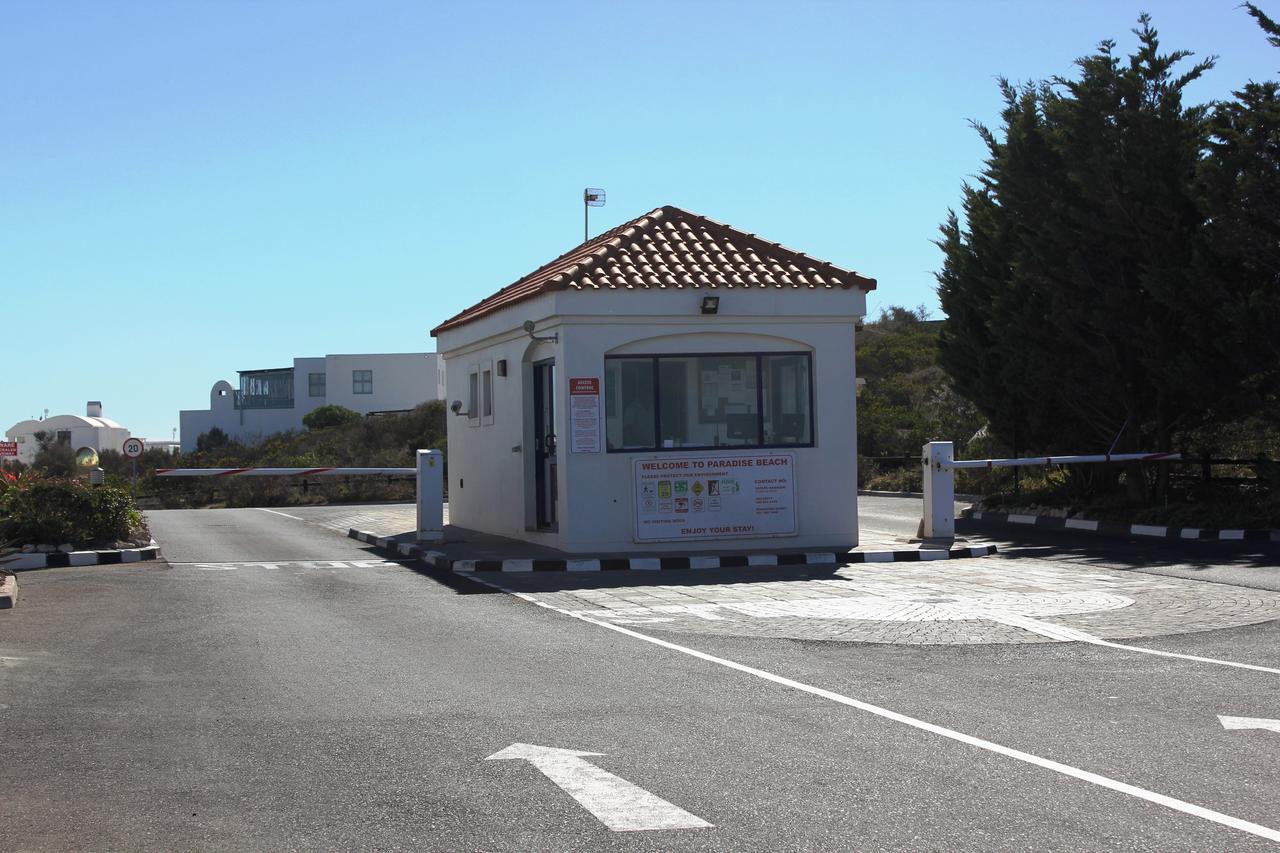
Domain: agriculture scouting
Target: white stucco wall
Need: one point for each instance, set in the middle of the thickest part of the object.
(400, 381)
(489, 479)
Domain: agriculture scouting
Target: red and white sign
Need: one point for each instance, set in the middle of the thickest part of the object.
(133, 447)
(715, 497)
(584, 414)
(8, 448)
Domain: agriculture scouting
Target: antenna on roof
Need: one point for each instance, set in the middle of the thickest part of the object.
(591, 197)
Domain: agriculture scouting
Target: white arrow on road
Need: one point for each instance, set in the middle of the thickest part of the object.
(618, 804)
(1249, 723)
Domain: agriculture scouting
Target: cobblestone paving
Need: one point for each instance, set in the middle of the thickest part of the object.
(955, 602)
(984, 600)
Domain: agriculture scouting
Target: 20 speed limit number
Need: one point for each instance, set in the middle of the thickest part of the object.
(133, 448)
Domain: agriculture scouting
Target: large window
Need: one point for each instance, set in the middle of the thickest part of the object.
(265, 389)
(694, 402)
(316, 384)
(362, 382)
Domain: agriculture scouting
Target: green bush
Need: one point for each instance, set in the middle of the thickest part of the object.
(331, 415)
(53, 512)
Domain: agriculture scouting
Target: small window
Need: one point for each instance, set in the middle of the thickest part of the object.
(473, 396)
(362, 382)
(316, 384)
(486, 395)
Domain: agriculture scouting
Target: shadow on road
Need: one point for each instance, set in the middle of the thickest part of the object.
(1015, 541)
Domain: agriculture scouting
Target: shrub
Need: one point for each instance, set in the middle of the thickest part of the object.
(331, 415)
(54, 512)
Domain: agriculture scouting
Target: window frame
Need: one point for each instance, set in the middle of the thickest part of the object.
(473, 395)
(759, 357)
(355, 383)
(486, 393)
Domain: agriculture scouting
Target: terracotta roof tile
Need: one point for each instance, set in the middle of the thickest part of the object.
(670, 247)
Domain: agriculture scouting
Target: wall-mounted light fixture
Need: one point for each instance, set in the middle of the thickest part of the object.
(501, 367)
(456, 408)
(710, 304)
(528, 328)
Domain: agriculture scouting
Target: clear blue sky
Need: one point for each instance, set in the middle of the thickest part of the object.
(188, 189)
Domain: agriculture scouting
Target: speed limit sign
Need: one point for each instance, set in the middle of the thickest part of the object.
(133, 447)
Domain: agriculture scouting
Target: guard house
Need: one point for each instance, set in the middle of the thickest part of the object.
(672, 384)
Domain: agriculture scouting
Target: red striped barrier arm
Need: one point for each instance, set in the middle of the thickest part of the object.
(286, 472)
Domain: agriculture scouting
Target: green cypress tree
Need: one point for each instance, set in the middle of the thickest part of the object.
(1077, 290)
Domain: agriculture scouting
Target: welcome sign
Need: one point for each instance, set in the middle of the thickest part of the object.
(715, 497)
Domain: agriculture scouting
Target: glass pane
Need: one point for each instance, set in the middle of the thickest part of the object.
(708, 401)
(787, 418)
(628, 401)
(473, 398)
(488, 393)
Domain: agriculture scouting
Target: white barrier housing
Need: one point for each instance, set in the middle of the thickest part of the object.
(939, 491)
(430, 496)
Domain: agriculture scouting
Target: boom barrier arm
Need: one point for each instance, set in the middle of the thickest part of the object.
(429, 474)
(285, 472)
(940, 479)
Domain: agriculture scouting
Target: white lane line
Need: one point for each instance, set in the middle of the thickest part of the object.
(1065, 769)
(617, 803)
(1250, 723)
(278, 512)
(1068, 635)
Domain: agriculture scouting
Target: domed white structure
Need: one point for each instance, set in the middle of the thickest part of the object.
(88, 430)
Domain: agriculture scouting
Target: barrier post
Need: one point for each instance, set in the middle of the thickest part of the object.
(939, 490)
(430, 496)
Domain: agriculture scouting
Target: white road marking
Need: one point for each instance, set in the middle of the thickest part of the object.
(1249, 723)
(617, 803)
(278, 512)
(1101, 781)
(1068, 635)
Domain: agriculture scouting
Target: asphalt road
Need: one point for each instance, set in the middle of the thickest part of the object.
(277, 686)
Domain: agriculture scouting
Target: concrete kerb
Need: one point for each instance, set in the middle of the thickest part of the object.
(1119, 528)
(440, 560)
(8, 590)
(63, 559)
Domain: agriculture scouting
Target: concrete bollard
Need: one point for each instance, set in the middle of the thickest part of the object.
(430, 496)
(939, 490)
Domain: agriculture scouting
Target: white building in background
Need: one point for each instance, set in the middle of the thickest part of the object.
(275, 400)
(672, 383)
(91, 430)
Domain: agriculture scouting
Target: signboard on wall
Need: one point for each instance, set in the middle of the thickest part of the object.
(584, 415)
(715, 497)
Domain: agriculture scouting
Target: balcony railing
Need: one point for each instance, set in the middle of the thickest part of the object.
(258, 401)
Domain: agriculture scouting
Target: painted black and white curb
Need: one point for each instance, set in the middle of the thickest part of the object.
(653, 564)
(62, 559)
(1119, 528)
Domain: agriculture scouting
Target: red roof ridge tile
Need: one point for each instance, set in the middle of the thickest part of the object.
(702, 252)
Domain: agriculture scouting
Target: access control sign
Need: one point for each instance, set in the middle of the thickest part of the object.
(8, 448)
(715, 497)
